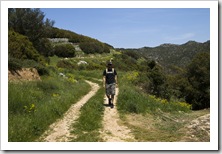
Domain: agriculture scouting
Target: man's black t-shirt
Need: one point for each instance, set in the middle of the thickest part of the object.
(110, 76)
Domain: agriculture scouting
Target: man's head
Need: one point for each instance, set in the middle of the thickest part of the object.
(110, 64)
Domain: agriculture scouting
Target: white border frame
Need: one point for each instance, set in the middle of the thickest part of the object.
(212, 145)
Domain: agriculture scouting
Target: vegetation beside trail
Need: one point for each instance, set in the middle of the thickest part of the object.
(153, 119)
(33, 106)
(86, 129)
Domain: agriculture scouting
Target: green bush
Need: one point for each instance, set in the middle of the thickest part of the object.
(44, 47)
(20, 47)
(64, 50)
(65, 64)
(14, 64)
(93, 47)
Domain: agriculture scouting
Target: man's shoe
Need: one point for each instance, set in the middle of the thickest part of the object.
(112, 105)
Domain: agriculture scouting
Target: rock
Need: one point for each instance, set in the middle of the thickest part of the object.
(82, 62)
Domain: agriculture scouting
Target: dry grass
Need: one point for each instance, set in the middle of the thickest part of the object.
(157, 128)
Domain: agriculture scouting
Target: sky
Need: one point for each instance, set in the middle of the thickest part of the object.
(135, 27)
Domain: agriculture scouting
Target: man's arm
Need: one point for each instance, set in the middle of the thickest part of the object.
(104, 78)
(104, 81)
(116, 80)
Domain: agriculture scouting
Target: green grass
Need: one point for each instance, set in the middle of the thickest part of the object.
(54, 60)
(86, 129)
(134, 100)
(156, 120)
(33, 106)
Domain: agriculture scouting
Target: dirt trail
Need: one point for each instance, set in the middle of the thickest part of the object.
(60, 130)
(113, 130)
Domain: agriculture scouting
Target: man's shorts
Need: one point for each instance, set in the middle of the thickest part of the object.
(110, 89)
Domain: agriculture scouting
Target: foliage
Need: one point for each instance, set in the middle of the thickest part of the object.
(14, 64)
(20, 47)
(124, 62)
(65, 64)
(29, 22)
(74, 37)
(191, 84)
(64, 50)
(44, 47)
(134, 101)
(93, 47)
(198, 74)
(132, 54)
(168, 55)
(158, 83)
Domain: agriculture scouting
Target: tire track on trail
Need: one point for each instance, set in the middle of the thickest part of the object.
(60, 130)
(113, 130)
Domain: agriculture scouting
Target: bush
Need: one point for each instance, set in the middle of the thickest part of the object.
(93, 47)
(64, 50)
(44, 47)
(20, 47)
(65, 64)
(14, 64)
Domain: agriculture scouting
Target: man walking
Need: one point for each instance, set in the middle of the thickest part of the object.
(110, 83)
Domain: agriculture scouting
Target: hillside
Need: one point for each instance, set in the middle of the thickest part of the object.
(171, 55)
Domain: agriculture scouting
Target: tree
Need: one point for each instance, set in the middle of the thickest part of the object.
(158, 83)
(44, 47)
(30, 22)
(198, 75)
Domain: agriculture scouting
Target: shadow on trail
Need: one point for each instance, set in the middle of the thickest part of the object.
(107, 105)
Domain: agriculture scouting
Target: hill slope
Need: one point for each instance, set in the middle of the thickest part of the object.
(170, 55)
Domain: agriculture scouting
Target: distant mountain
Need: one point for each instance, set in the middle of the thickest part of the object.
(170, 55)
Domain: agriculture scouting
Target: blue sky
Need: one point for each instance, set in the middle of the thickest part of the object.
(135, 28)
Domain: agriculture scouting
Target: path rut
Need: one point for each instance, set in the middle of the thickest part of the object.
(113, 129)
(60, 130)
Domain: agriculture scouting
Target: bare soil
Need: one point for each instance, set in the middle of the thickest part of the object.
(113, 129)
(25, 74)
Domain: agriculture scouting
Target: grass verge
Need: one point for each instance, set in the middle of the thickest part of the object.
(33, 106)
(86, 129)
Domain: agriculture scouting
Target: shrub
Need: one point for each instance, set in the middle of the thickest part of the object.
(64, 50)
(21, 48)
(65, 64)
(14, 64)
(93, 47)
(42, 70)
(44, 47)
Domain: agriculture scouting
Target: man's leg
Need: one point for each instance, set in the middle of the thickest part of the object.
(109, 99)
(112, 98)
(108, 93)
